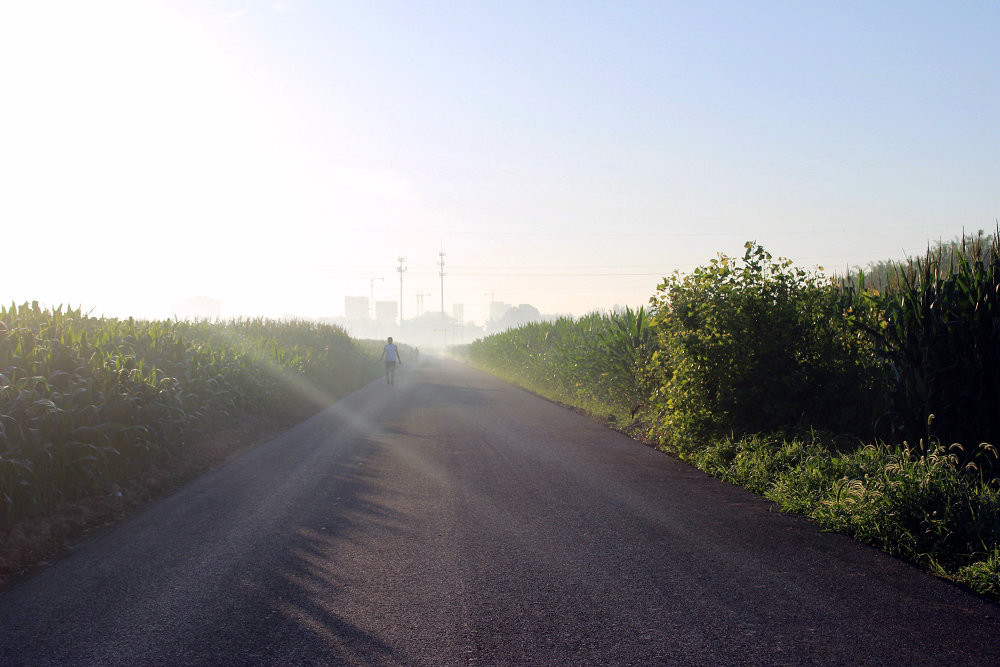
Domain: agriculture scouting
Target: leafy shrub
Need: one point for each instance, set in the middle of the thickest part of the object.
(756, 346)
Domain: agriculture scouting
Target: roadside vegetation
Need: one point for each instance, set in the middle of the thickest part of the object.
(90, 407)
(868, 402)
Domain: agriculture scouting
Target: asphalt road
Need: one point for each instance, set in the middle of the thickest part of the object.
(452, 519)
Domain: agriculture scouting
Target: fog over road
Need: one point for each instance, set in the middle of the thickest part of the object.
(452, 519)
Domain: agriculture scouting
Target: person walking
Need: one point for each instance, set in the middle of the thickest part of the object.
(391, 355)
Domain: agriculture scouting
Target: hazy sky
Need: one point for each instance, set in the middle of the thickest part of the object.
(278, 156)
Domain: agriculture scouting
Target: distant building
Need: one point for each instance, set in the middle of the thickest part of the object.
(356, 307)
(386, 312)
(458, 312)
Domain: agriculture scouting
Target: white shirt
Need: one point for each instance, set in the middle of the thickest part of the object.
(391, 353)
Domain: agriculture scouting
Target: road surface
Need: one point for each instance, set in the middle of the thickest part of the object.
(452, 519)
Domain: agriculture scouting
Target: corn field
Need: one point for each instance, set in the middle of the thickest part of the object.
(87, 402)
(935, 320)
(598, 359)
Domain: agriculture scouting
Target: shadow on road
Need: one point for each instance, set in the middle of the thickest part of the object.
(316, 604)
(295, 610)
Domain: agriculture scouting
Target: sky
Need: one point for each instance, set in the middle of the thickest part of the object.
(279, 156)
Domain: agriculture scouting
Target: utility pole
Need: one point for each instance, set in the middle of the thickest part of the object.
(420, 302)
(402, 270)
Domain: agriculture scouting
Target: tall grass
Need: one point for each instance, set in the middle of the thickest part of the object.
(914, 503)
(86, 402)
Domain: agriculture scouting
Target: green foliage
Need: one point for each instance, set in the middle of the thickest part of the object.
(626, 348)
(549, 357)
(86, 402)
(597, 361)
(915, 504)
(983, 576)
(882, 275)
(939, 331)
(754, 346)
(919, 506)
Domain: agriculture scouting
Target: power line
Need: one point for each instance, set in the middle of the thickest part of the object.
(654, 234)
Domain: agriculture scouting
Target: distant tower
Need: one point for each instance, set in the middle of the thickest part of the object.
(356, 308)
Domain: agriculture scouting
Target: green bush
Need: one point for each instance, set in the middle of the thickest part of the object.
(755, 346)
